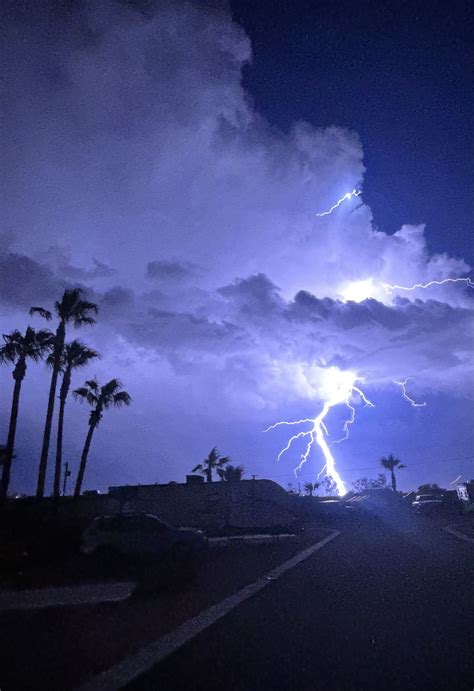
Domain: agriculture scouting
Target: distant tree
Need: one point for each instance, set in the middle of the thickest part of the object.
(74, 356)
(99, 398)
(381, 481)
(18, 348)
(214, 461)
(70, 309)
(429, 488)
(391, 463)
(361, 484)
(291, 490)
(329, 485)
(231, 473)
(310, 487)
(364, 483)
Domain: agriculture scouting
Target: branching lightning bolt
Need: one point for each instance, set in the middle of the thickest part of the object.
(346, 197)
(402, 384)
(341, 393)
(350, 420)
(390, 288)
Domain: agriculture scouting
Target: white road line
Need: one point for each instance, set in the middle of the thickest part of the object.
(458, 534)
(66, 596)
(145, 659)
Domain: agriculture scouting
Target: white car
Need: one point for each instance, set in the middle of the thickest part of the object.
(140, 535)
(423, 501)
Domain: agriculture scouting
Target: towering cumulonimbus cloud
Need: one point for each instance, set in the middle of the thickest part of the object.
(139, 169)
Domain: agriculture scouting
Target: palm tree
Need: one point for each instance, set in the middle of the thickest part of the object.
(70, 309)
(18, 349)
(390, 463)
(74, 355)
(311, 487)
(211, 463)
(99, 398)
(231, 473)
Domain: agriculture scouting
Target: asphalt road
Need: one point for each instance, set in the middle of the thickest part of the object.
(386, 605)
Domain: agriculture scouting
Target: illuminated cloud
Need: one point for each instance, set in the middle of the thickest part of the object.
(193, 222)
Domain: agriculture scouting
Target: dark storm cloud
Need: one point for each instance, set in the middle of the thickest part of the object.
(162, 270)
(254, 296)
(24, 281)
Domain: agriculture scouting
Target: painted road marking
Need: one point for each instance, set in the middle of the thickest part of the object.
(145, 659)
(66, 596)
(458, 534)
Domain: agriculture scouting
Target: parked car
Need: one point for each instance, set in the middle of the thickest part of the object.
(425, 499)
(140, 535)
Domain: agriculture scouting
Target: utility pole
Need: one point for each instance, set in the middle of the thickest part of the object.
(67, 473)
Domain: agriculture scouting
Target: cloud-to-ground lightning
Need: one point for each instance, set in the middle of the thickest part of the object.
(346, 197)
(390, 288)
(340, 388)
(402, 384)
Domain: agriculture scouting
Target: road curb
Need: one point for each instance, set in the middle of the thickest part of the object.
(128, 669)
(64, 596)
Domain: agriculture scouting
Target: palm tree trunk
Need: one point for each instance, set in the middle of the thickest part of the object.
(43, 464)
(82, 467)
(59, 440)
(59, 450)
(10, 440)
(208, 474)
(394, 480)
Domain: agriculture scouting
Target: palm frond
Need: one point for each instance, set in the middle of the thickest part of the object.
(196, 468)
(122, 399)
(83, 393)
(46, 314)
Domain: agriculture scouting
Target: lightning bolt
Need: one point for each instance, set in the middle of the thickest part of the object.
(350, 420)
(389, 288)
(402, 384)
(346, 197)
(318, 430)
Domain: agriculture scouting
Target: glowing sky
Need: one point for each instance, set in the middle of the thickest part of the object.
(145, 174)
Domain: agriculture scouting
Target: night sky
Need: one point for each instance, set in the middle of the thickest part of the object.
(171, 159)
(398, 73)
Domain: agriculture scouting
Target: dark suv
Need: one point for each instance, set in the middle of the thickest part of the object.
(140, 535)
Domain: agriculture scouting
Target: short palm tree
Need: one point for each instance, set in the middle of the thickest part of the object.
(74, 356)
(231, 473)
(391, 463)
(99, 398)
(18, 348)
(214, 461)
(70, 309)
(310, 487)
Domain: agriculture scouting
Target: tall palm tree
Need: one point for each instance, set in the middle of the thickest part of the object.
(310, 487)
(211, 463)
(74, 355)
(70, 309)
(391, 463)
(99, 398)
(18, 348)
(231, 473)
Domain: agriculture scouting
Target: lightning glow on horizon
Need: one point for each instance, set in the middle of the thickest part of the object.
(346, 197)
(340, 387)
(389, 288)
(402, 384)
